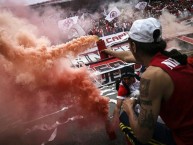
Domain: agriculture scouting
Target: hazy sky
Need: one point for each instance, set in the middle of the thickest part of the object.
(26, 1)
(35, 1)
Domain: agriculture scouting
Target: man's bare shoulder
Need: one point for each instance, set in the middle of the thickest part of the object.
(161, 82)
(153, 72)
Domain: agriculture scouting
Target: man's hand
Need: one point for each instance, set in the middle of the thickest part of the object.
(129, 104)
(126, 56)
(106, 51)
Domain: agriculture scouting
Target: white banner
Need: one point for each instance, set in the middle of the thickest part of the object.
(110, 40)
(115, 38)
(113, 14)
(94, 56)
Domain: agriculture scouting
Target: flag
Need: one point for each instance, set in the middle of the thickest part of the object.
(113, 14)
(76, 31)
(66, 24)
(141, 5)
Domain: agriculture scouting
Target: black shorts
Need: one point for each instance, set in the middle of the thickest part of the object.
(162, 135)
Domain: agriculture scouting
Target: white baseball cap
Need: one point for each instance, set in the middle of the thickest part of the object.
(142, 30)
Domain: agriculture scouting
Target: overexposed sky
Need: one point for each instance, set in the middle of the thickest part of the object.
(35, 1)
(28, 2)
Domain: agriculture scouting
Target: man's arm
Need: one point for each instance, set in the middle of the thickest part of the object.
(126, 56)
(116, 113)
(153, 84)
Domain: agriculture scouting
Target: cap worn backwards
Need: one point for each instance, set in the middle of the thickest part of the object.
(142, 30)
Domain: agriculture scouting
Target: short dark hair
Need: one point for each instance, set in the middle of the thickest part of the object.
(127, 71)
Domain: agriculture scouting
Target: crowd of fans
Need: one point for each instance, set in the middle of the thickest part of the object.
(181, 9)
(104, 27)
(98, 25)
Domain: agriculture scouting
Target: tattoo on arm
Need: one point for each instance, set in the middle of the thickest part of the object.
(146, 119)
(146, 102)
(144, 87)
(146, 116)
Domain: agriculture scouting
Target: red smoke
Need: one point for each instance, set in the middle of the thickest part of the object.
(37, 79)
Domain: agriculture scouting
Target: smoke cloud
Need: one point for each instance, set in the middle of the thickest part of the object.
(36, 75)
(37, 79)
